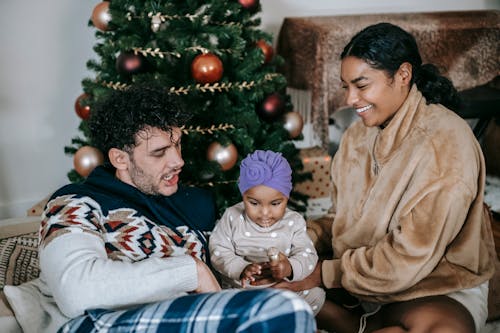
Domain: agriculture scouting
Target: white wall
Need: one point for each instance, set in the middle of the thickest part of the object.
(44, 48)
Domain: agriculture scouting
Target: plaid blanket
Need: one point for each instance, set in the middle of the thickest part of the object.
(263, 311)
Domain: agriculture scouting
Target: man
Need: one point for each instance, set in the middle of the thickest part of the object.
(126, 251)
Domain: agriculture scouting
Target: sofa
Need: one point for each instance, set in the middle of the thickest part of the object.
(19, 263)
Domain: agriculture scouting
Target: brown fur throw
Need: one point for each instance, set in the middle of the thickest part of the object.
(464, 45)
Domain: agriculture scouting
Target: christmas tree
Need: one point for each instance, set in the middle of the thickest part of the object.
(215, 58)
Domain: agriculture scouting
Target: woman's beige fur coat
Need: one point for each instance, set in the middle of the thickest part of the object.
(408, 215)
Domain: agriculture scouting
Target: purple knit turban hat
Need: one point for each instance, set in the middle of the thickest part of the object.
(265, 168)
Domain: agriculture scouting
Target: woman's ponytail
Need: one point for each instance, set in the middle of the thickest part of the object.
(435, 87)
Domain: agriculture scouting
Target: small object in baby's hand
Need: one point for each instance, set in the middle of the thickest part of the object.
(273, 255)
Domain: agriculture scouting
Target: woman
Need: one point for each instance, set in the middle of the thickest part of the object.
(411, 238)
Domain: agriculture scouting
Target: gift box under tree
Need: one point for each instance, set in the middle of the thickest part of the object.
(317, 161)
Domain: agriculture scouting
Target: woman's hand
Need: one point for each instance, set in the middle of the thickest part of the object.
(206, 280)
(313, 280)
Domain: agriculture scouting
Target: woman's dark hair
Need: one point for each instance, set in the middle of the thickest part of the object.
(118, 117)
(386, 46)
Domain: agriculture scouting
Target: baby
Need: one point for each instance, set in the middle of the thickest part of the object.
(262, 223)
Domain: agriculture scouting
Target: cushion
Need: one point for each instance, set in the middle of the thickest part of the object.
(34, 311)
(37, 209)
(8, 323)
(18, 250)
(5, 309)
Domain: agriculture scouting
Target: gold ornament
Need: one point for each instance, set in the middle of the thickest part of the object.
(226, 156)
(86, 159)
(293, 123)
(101, 16)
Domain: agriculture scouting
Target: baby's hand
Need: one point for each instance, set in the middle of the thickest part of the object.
(281, 268)
(249, 273)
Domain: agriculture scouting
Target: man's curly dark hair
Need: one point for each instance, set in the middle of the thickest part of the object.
(116, 120)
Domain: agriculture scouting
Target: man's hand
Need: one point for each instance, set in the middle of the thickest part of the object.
(206, 279)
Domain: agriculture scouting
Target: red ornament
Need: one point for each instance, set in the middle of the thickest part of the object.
(86, 159)
(249, 4)
(129, 63)
(226, 156)
(82, 111)
(272, 107)
(266, 49)
(206, 68)
(101, 16)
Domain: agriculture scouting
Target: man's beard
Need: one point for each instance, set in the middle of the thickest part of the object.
(143, 181)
